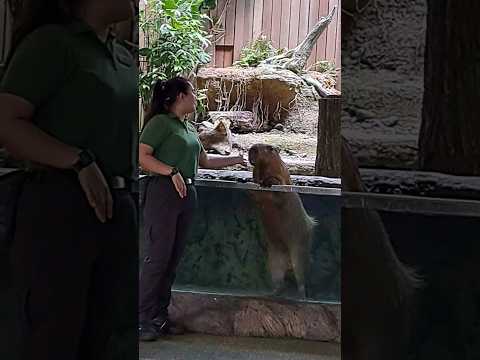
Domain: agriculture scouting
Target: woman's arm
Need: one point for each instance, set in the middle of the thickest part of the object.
(148, 162)
(208, 161)
(26, 141)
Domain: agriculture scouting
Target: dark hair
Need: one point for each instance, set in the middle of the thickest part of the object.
(29, 15)
(165, 94)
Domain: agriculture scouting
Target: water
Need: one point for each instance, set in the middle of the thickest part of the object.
(226, 251)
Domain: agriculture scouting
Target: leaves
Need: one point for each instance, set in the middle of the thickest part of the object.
(257, 51)
(176, 41)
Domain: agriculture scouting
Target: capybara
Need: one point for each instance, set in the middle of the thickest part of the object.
(288, 227)
(216, 137)
(377, 289)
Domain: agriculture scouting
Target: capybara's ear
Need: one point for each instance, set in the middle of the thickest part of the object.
(221, 127)
(273, 148)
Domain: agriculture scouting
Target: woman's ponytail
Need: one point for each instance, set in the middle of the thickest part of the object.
(165, 93)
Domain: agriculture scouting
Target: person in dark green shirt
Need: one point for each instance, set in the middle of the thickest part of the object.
(69, 109)
(171, 150)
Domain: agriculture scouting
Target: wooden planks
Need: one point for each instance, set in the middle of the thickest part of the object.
(257, 18)
(331, 32)
(293, 39)
(285, 22)
(230, 23)
(267, 18)
(276, 20)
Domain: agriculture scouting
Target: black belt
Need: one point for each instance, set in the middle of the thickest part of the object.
(121, 183)
(114, 182)
(188, 181)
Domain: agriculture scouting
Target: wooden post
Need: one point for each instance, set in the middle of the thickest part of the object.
(328, 161)
(449, 136)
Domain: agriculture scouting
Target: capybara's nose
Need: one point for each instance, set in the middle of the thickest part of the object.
(252, 154)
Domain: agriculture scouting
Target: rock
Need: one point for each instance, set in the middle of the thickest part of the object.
(269, 94)
(241, 122)
(362, 114)
(246, 176)
(390, 121)
(421, 183)
(377, 149)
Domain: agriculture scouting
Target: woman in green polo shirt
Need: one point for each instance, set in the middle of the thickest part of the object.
(69, 108)
(169, 148)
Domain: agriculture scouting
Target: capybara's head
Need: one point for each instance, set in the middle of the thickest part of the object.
(216, 137)
(262, 151)
(269, 169)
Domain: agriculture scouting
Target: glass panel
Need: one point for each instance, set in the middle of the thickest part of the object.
(227, 250)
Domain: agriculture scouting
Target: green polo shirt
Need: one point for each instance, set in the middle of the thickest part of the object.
(84, 91)
(174, 143)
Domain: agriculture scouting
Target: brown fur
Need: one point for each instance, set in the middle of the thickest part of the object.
(288, 228)
(377, 289)
(216, 137)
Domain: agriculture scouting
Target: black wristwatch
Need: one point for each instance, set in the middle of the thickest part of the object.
(174, 172)
(85, 158)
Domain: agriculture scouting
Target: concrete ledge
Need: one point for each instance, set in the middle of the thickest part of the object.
(229, 315)
(246, 176)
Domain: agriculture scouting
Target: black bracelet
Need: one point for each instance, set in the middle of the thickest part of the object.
(85, 158)
(173, 172)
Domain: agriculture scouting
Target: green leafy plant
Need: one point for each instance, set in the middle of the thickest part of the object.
(176, 41)
(257, 51)
(202, 107)
(324, 66)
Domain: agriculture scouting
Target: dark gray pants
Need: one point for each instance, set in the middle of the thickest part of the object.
(76, 278)
(167, 219)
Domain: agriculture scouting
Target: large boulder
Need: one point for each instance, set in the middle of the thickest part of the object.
(274, 96)
(241, 122)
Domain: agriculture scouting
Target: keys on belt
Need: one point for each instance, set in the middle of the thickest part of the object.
(188, 181)
(118, 182)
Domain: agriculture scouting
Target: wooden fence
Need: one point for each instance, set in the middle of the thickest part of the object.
(284, 22)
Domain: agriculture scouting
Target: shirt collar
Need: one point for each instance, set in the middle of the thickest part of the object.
(78, 26)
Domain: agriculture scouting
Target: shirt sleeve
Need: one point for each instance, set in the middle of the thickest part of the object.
(194, 130)
(155, 132)
(38, 67)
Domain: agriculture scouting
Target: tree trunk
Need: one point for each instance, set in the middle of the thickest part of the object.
(449, 139)
(328, 161)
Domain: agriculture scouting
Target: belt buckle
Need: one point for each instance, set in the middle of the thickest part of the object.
(118, 182)
(188, 181)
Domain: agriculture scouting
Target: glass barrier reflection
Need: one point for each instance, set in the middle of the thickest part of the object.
(243, 241)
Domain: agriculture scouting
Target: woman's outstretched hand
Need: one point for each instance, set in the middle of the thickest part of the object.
(179, 185)
(241, 160)
(97, 191)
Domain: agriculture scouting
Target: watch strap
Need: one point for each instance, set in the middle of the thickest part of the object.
(85, 158)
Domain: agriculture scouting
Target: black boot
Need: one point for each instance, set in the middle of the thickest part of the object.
(148, 332)
(167, 326)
